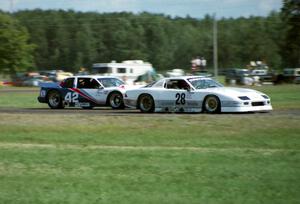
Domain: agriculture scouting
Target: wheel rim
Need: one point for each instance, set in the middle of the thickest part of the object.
(211, 104)
(115, 100)
(146, 103)
(54, 99)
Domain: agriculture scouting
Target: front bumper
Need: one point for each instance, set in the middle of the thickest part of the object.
(264, 108)
(42, 99)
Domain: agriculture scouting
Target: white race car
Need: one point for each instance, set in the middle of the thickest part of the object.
(195, 94)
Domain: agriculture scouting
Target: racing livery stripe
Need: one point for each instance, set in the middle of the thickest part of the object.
(87, 94)
(83, 94)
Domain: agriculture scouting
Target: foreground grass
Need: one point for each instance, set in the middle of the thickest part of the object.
(62, 175)
(169, 158)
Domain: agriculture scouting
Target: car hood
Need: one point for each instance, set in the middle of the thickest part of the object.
(236, 92)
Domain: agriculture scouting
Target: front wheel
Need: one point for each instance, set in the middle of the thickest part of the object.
(55, 100)
(212, 104)
(116, 100)
(146, 104)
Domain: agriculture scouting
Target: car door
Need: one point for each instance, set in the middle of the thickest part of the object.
(88, 89)
(176, 94)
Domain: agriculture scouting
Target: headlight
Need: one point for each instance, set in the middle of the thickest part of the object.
(265, 96)
(244, 98)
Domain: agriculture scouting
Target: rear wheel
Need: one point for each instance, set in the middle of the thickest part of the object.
(212, 104)
(55, 100)
(146, 103)
(116, 100)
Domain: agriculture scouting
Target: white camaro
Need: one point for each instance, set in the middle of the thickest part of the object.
(195, 94)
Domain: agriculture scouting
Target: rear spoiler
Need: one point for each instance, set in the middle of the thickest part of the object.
(49, 85)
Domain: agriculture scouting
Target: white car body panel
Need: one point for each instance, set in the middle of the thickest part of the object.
(168, 100)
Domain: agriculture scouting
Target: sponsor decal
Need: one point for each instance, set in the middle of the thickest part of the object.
(82, 104)
(43, 93)
(194, 103)
(189, 95)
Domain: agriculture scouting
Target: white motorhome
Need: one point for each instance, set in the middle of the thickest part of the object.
(127, 70)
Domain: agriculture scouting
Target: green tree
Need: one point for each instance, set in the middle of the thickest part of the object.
(69, 39)
(291, 46)
(15, 51)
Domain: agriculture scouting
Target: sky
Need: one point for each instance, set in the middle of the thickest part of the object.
(181, 8)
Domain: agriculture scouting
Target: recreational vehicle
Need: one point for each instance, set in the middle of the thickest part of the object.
(128, 70)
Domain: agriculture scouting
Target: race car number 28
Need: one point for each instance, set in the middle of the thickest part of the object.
(180, 98)
(71, 97)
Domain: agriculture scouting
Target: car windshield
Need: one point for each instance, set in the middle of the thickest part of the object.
(204, 83)
(110, 82)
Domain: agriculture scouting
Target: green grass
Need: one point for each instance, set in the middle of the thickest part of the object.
(62, 175)
(165, 130)
(135, 159)
(21, 99)
(161, 158)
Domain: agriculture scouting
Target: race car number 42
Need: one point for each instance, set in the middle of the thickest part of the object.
(72, 97)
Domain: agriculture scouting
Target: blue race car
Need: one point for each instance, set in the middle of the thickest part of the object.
(84, 91)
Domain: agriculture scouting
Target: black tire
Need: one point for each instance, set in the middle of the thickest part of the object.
(54, 100)
(211, 104)
(115, 100)
(146, 103)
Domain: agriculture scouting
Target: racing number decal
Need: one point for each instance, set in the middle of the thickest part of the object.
(72, 97)
(180, 98)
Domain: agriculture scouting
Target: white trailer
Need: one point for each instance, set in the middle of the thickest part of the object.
(127, 70)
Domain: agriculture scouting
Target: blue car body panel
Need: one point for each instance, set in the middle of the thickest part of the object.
(92, 92)
(81, 97)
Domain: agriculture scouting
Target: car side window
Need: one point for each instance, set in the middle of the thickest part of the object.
(87, 83)
(177, 84)
(68, 83)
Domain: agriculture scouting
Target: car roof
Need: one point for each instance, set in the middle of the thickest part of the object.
(95, 76)
(187, 77)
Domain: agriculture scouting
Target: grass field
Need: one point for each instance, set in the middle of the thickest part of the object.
(164, 158)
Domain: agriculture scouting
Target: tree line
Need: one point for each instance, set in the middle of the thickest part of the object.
(58, 39)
